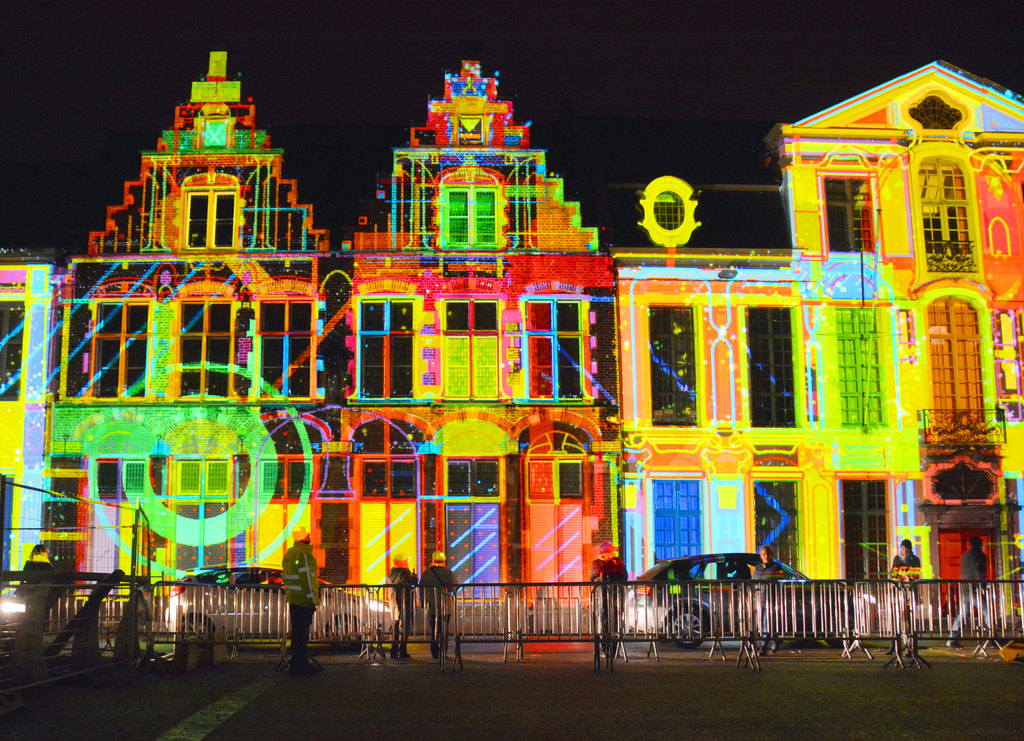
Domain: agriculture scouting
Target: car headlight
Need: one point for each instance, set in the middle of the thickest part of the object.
(11, 606)
(377, 606)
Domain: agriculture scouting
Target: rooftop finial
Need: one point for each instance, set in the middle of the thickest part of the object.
(218, 66)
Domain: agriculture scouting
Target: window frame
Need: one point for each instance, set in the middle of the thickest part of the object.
(677, 350)
(476, 219)
(860, 381)
(482, 368)
(536, 337)
(849, 215)
(473, 491)
(389, 337)
(123, 337)
(205, 337)
(779, 347)
(290, 370)
(213, 221)
(12, 343)
(946, 218)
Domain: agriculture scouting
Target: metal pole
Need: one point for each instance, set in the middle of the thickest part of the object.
(5, 532)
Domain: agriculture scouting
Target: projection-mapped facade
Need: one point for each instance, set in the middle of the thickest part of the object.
(861, 388)
(472, 371)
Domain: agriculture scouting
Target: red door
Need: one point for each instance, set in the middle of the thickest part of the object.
(952, 544)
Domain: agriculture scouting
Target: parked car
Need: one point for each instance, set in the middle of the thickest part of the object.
(667, 606)
(252, 603)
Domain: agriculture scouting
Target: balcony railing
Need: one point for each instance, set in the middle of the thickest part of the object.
(964, 427)
(953, 256)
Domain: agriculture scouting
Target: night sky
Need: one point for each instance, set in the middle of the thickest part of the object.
(78, 78)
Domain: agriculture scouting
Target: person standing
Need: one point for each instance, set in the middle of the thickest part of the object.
(973, 568)
(401, 580)
(906, 566)
(609, 601)
(437, 585)
(767, 570)
(302, 592)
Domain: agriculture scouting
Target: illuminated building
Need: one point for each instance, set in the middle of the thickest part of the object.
(26, 286)
(484, 357)
(859, 384)
(192, 340)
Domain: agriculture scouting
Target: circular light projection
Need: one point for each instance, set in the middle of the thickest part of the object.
(669, 205)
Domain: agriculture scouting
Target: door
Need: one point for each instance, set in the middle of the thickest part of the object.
(953, 543)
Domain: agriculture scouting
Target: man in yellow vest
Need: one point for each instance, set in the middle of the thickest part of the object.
(303, 595)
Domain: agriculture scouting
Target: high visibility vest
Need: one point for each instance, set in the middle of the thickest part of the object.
(299, 571)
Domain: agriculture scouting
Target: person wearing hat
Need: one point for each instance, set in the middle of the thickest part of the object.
(401, 581)
(302, 592)
(906, 566)
(436, 585)
(609, 601)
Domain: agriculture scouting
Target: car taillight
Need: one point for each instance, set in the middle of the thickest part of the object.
(177, 589)
(644, 590)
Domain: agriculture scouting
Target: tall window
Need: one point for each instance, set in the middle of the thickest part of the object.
(470, 217)
(471, 349)
(860, 375)
(770, 356)
(386, 460)
(954, 341)
(121, 338)
(673, 367)
(205, 348)
(848, 214)
(211, 219)
(203, 491)
(12, 327)
(944, 218)
(286, 330)
(775, 519)
(865, 533)
(555, 349)
(386, 349)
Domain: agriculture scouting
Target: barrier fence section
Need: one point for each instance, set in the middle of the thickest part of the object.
(88, 605)
(382, 618)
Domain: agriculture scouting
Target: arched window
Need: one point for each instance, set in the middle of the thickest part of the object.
(386, 459)
(945, 221)
(954, 342)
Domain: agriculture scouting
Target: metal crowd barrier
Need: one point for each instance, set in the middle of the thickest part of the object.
(752, 614)
(57, 625)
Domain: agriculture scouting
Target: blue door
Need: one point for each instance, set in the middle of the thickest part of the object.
(676, 519)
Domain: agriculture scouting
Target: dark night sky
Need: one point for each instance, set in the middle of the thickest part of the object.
(73, 72)
(85, 85)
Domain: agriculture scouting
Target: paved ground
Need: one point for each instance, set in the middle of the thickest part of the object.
(552, 694)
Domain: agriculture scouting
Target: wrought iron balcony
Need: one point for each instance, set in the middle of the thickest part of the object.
(953, 256)
(964, 427)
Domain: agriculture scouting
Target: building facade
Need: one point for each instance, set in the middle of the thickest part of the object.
(861, 386)
(468, 369)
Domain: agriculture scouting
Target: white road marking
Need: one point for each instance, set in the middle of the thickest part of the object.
(200, 724)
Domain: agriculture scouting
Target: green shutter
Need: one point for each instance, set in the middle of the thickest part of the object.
(456, 362)
(484, 218)
(457, 218)
(485, 367)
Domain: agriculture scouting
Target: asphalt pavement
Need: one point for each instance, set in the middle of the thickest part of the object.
(553, 693)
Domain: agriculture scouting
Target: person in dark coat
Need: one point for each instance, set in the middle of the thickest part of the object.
(400, 599)
(437, 585)
(973, 568)
(39, 561)
(767, 570)
(906, 566)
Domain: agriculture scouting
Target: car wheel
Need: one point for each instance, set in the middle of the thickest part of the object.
(198, 625)
(345, 633)
(689, 620)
